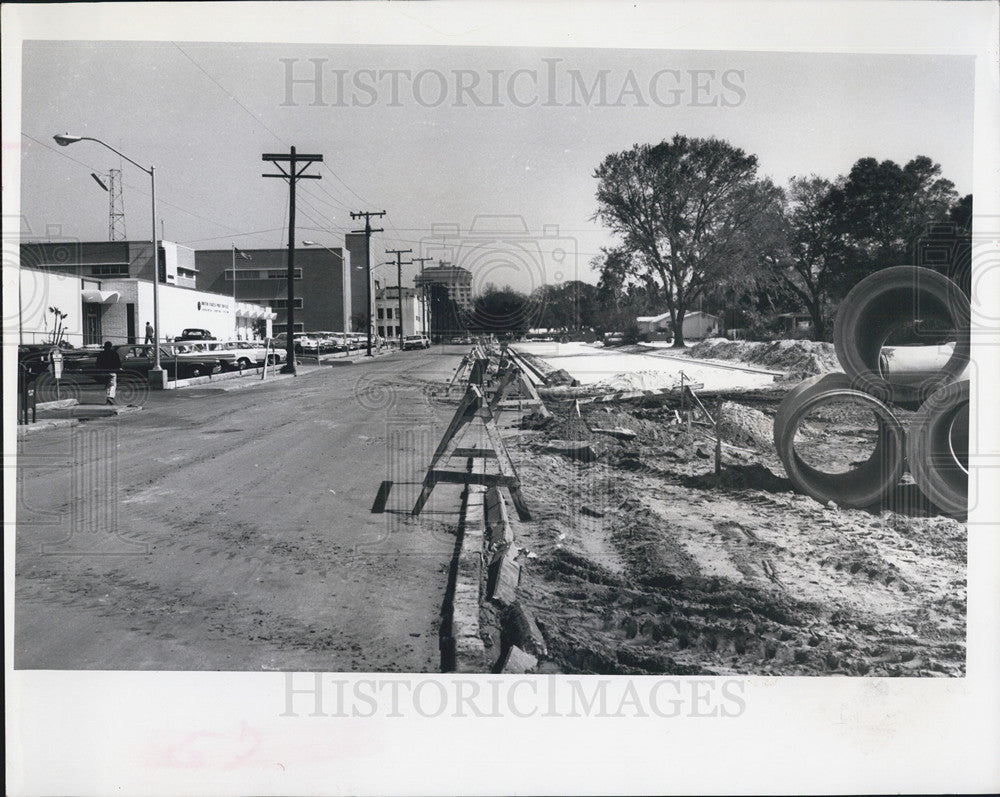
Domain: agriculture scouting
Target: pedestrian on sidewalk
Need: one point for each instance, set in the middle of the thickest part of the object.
(149, 332)
(110, 363)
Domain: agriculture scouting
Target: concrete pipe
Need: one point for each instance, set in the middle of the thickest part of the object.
(864, 484)
(937, 448)
(891, 301)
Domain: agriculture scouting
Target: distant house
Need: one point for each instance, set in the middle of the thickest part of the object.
(793, 323)
(697, 325)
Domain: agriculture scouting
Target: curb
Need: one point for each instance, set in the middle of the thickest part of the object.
(486, 600)
(73, 414)
(24, 429)
(469, 648)
(58, 404)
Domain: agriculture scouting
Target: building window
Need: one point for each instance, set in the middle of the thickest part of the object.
(277, 304)
(381, 313)
(388, 312)
(243, 274)
(282, 273)
(282, 304)
(110, 270)
(279, 328)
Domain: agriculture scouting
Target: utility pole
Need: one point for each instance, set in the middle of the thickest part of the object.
(399, 285)
(423, 294)
(294, 173)
(368, 230)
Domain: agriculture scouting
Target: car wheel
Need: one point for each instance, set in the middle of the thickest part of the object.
(243, 363)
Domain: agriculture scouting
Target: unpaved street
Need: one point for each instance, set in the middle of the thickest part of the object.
(231, 529)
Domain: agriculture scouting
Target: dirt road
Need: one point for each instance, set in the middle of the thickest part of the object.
(231, 530)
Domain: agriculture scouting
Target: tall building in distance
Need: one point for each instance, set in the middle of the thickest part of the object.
(456, 279)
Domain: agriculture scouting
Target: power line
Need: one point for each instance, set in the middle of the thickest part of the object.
(226, 91)
(292, 174)
(368, 230)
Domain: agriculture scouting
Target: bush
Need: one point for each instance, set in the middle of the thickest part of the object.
(631, 333)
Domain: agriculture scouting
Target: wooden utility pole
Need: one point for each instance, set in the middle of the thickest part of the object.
(399, 285)
(368, 230)
(423, 294)
(294, 173)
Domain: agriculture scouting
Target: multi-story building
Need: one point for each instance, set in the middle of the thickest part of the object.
(357, 299)
(387, 320)
(322, 297)
(458, 280)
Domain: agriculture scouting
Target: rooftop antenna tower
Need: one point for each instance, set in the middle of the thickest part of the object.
(116, 205)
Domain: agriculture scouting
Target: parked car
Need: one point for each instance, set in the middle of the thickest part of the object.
(305, 341)
(37, 357)
(416, 342)
(194, 334)
(330, 341)
(250, 354)
(139, 360)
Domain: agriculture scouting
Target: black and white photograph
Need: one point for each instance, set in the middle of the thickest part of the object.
(501, 397)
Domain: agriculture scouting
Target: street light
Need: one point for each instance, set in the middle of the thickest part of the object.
(157, 375)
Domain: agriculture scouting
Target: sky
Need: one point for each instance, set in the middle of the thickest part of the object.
(440, 136)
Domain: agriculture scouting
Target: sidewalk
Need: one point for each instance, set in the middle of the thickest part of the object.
(90, 403)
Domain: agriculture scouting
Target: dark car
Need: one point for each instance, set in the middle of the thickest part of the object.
(195, 334)
(36, 358)
(138, 360)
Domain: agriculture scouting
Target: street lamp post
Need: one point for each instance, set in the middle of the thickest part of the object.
(157, 376)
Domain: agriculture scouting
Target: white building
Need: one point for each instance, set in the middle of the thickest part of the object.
(387, 320)
(697, 325)
(117, 309)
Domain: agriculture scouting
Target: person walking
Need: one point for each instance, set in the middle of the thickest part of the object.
(149, 332)
(109, 362)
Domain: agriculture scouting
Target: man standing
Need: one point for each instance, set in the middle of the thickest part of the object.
(109, 362)
(149, 333)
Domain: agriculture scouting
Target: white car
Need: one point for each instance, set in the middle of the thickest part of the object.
(250, 354)
(304, 341)
(416, 342)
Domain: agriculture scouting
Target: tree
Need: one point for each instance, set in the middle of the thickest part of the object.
(880, 212)
(686, 211)
(808, 264)
(503, 310)
(567, 306)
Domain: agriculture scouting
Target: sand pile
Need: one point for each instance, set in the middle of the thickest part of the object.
(636, 380)
(799, 358)
(745, 426)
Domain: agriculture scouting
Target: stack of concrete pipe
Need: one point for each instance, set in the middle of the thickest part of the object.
(933, 380)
